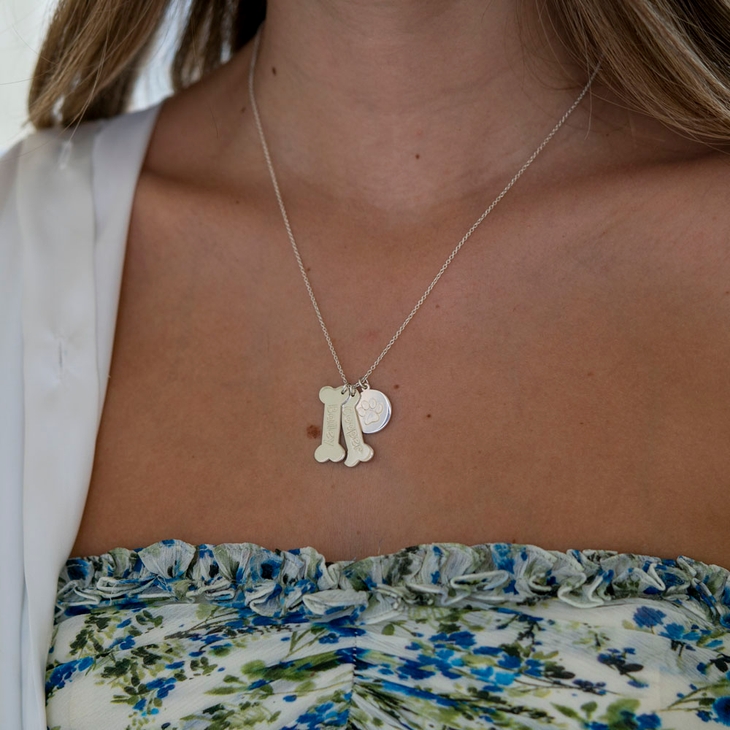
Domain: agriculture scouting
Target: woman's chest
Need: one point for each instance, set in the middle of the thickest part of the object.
(569, 401)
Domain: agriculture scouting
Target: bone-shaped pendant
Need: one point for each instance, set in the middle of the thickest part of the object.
(357, 449)
(330, 449)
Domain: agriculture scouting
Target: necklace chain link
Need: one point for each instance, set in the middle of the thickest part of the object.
(363, 381)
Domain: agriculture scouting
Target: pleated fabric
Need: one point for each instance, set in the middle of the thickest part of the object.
(498, 635)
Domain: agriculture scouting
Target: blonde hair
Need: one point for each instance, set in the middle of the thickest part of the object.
(667, 58)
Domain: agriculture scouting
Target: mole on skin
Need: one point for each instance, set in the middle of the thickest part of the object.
(314, 432)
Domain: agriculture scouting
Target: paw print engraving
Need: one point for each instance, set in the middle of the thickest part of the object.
(370, 410)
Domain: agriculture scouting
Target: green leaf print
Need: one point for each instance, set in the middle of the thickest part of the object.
(567, 711)
(621, 714)
(589, 708)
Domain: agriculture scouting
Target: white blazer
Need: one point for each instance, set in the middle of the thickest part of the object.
(65, 203)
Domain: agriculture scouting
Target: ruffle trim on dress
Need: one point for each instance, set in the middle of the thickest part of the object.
(301, 584)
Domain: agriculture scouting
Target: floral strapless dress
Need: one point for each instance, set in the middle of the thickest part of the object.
(439, 636)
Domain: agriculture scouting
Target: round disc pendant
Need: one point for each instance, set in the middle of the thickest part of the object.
(373, 410)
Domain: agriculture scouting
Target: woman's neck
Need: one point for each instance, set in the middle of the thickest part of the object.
(400, 103)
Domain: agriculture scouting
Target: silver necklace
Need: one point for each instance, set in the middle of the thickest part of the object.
(356, 408)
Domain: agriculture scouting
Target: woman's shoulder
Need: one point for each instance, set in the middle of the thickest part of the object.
(65, 196)
(60, 180)
(46, 161)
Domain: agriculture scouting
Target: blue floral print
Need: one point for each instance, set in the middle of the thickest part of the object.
(439, 636)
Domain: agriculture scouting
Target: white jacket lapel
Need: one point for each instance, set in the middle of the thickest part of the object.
(71, 280)
(61, 383)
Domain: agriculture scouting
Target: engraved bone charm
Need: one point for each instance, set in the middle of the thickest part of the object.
(330, 449)
(357, 449)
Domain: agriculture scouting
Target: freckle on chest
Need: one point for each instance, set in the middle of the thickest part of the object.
(313, 432)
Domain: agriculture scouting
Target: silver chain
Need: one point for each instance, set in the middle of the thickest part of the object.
(364, 379)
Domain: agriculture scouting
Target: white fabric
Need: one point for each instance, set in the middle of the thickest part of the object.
(65, 202)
